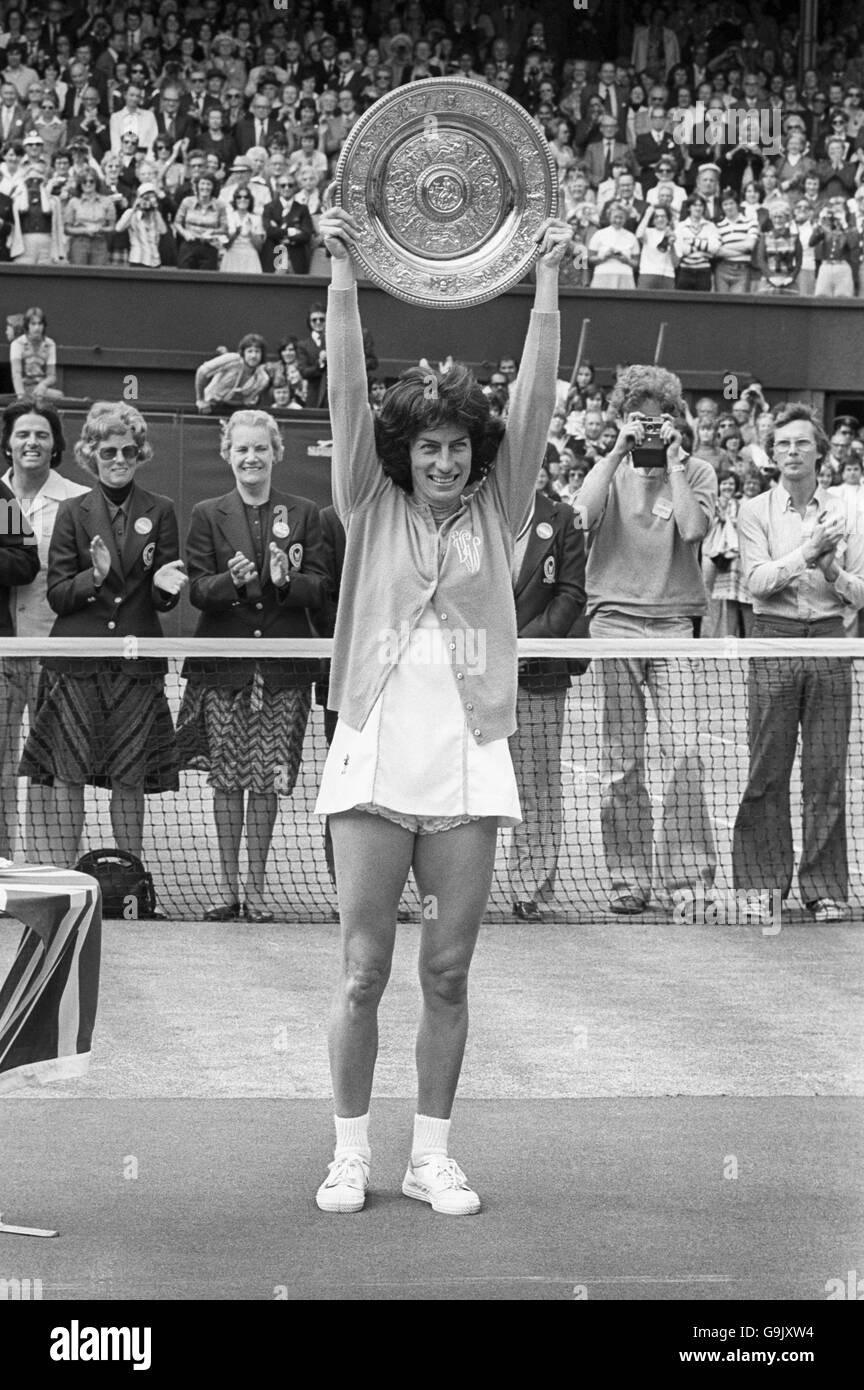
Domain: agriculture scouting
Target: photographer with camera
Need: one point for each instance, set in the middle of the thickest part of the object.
(837, 252)
(648, 505)
(145, 225)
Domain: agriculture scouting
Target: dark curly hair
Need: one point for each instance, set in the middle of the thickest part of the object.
(13, 412)
(424, 399)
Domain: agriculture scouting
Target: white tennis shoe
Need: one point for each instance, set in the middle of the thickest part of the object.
(344, 1188)
(440, 1181)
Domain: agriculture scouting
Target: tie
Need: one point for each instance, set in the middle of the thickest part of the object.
(259, 132)
(608, 144)
(169, 130)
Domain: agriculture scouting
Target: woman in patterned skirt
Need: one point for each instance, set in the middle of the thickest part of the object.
(432, 492)
(113, 567)
(256, 565)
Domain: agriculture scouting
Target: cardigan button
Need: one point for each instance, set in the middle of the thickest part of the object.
(257, 632)
(119, 598)
(469, 707)
(459, 676)
(443, 617)
(477, 733)
(112, 626)
(259, 606)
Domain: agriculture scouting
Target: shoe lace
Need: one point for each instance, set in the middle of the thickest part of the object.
(350, 1170)
(448, 1172)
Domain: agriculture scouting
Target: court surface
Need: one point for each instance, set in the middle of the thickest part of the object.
(649, 1111)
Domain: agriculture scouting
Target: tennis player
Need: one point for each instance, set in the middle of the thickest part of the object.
(432, 492)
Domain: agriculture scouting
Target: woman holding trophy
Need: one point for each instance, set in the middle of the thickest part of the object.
(432, 493)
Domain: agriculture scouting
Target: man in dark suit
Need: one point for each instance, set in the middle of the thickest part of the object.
(601, 154)
(90, 127)
(288, 231)
(613, 97)
(549, 563)
(19, 556)
(347, 77)
(258, 127)
(651, 147)
(171, 120)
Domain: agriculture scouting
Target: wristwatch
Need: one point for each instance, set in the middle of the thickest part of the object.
(679, 467)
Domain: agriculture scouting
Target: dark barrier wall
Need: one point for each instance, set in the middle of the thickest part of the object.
(160, 324)
(187, 468)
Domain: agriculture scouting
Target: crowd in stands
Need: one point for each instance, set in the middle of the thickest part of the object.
(692, 151)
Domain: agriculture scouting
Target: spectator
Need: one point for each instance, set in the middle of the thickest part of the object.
(258, 127)
(233, 379)
(738, 241)
(837, 251)
(13, 117)
(16, 72)
(285, 375)
(697, 243)
(200, 224)
(655, 145)
(644, 579)
(146, 228)
(778, 255)
(805, 226)
(614, 253)
(796, 163)
(666, 189)
(288, 230)
(89, 220)
(657, 257)
(245, 236)
(244, 721)
(49, 125)
(32, 442)
(33, 359)
(705, 445)
(90, 125)
(37, 235)
(113, 568)
(133, 116)
(601, 154)
(799, 558)
(214, 139)
(549, 589)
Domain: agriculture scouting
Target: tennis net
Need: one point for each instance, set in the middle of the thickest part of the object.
(644, 756)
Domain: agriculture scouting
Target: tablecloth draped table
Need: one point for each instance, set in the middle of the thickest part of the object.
(48, 1000)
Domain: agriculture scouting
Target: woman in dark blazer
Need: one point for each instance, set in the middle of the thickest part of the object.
(113, 567)
(256, 570)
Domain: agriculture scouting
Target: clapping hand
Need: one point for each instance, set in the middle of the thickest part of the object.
(241, 570)
(170, 578)
(280, 567)
(100, 556)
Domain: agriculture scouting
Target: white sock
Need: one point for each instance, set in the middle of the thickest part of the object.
(352, 1136)
(430, 1137)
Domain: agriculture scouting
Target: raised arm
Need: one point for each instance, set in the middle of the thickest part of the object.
(532, 399)
(356, 473)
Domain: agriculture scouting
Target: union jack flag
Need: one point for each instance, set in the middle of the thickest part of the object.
(48, 1000)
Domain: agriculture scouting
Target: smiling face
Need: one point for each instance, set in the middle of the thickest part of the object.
(250, 455)
(440, 464)
(117, 458)
(31, 444)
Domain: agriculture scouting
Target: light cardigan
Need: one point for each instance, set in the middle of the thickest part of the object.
(397, 560)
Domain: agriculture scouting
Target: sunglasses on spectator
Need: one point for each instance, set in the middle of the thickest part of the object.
(108, 453)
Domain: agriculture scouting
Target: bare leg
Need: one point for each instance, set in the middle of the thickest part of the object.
(453, 870)
(261, 809)
(127, 818)
(64, 837)
(372, 857)
(228, 815)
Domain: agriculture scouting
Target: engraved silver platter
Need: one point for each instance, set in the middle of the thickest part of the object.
(449, 180)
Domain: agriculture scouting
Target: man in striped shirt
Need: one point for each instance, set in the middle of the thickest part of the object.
(738, 237)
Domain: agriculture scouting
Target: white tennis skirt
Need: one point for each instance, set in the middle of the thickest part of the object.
(415, 754)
